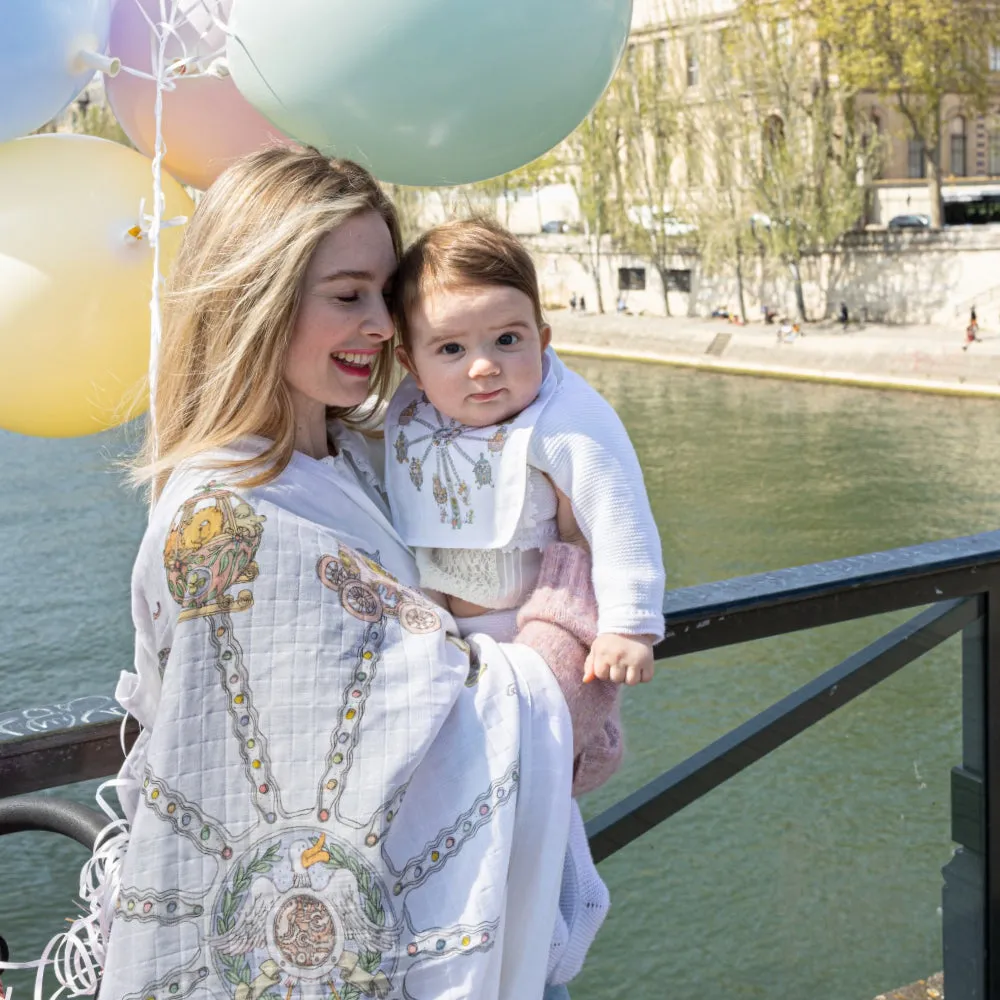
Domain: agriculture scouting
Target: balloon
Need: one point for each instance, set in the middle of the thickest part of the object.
(74, 284)
(207, 123)
(49, 50)
(427, 91)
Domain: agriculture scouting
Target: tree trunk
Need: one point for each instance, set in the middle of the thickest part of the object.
(662, 272)
(800, 300)
(934, 190)
(739, 282)
(597, 278)
(932, 155)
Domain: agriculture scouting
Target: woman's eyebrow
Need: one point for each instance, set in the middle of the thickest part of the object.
(357, 275)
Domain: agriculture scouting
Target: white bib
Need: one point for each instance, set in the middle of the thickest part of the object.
(452, 486)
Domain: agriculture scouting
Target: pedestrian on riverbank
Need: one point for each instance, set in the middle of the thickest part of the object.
(572, 302)
(971, 336)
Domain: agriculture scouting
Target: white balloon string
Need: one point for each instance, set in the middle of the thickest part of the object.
(160, 70)
(77, 954)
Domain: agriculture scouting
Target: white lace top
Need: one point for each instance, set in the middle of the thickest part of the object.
(497, 578)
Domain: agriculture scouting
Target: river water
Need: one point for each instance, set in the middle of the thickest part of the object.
(814, 873)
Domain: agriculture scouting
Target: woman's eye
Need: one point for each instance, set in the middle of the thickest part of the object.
(451, 348)
(507, 339)
(348, 298)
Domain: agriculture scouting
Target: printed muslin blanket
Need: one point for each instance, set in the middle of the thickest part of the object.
(332, 796)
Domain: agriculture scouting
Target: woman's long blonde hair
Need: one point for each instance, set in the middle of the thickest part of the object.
(231, 302)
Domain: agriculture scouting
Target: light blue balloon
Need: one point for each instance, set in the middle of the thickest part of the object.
(41, 44)
(427, 91)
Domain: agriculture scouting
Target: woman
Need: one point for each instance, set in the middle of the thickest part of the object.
(332, 796)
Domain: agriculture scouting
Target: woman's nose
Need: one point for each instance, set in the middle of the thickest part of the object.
(378, 324)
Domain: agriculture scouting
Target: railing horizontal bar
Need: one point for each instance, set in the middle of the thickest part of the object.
(44, 760)
(35, 812)
(792, 584)
(761, 622)
(699, 774)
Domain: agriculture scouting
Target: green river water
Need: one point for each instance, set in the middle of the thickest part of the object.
(816, 873)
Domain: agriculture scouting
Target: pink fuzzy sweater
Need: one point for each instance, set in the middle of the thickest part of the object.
(559, 621)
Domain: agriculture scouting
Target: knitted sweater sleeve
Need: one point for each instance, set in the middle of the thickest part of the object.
(557, 621)
(582, 445)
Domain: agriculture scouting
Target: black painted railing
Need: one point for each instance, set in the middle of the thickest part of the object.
(957, 584)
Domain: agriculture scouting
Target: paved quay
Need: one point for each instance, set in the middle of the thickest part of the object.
(915, 358)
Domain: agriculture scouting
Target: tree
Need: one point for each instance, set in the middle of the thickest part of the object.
(593, 161)
(916, 52)
(650, 111)
(800, 159)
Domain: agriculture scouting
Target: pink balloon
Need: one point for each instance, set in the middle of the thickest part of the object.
(207, 123)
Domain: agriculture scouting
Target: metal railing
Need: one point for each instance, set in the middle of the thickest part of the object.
(958, 580)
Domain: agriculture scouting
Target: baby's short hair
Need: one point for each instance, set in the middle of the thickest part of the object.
(476, 251)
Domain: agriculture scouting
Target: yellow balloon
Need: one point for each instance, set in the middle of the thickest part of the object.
(75, 284)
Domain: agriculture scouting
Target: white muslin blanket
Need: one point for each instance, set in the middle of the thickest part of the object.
(331, 798)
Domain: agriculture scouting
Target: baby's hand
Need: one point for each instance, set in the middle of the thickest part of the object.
(621, 659)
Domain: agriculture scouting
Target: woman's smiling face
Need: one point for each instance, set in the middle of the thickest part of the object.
(343, 320)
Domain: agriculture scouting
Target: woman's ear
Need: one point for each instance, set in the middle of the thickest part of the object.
(403, 357)
(545, 335)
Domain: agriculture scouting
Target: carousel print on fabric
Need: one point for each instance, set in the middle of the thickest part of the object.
(297, 913)
(445, 438)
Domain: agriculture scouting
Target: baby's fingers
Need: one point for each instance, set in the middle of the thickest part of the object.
(618, 672)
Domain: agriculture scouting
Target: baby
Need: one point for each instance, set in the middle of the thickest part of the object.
(491, 433)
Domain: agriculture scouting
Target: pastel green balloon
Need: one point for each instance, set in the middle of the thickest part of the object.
(427, 91)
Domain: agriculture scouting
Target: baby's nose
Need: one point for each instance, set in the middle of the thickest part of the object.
(483, 366)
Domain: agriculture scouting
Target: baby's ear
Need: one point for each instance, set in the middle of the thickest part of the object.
(403, 357)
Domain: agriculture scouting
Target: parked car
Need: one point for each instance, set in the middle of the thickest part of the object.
(910, 222)
(556, 226)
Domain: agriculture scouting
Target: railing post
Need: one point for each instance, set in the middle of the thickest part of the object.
(963, 895)
(990, 646)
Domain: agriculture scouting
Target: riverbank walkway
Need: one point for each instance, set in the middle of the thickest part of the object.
(916, 358)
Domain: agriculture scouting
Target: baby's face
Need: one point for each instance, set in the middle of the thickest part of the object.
(476, 352)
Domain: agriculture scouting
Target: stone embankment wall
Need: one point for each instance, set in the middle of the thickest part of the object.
(905, 277)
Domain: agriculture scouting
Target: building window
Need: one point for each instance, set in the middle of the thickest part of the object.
(678, 280)
(693, 159)
(915, 159)
(631, 279)
(958, 164)
(995, 58)
(691, 60)
(995, 153)
(873, 136)
(660, 57)
(772, 140)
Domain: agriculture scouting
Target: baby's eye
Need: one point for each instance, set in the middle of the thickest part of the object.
(507, 339)
(451, 348)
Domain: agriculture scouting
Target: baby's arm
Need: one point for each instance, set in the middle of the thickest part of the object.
(621, 659)
(557, 621)
(582, 446)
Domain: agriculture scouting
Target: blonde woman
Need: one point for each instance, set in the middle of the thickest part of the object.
(332, 795)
